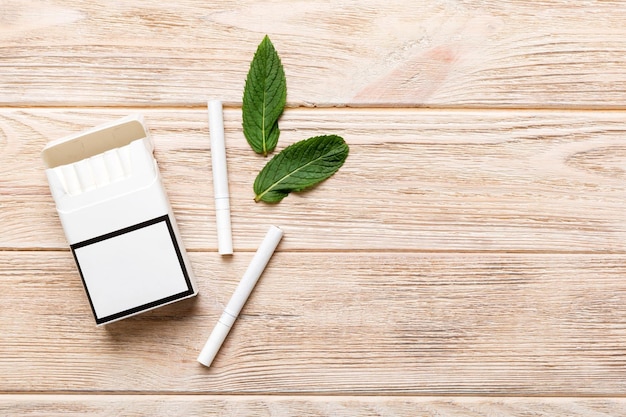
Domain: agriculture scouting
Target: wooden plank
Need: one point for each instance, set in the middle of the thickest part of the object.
(416, 180)
(282, 406)
(332, 323)
(496, 54)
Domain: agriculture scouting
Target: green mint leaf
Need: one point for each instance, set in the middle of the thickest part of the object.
(300, 166)
(264, 98)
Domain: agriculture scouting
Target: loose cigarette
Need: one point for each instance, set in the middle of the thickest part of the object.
(220, 178)
(241, 294)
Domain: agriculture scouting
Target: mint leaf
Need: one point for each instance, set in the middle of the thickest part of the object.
(264, 98)
(300, 166)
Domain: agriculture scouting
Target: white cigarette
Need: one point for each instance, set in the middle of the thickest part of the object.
(85, 175)
(125, 159)
(113, 165)
(69, 179)
(99, 169)
(220, 178)
(241, 294)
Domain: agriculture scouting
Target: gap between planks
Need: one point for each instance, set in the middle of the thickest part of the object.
(376, 251)
(303, 395)
(375, 107)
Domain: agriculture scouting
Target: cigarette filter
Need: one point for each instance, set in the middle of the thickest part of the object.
(240, 296)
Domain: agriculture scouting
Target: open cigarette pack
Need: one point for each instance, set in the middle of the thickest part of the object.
(118, 220)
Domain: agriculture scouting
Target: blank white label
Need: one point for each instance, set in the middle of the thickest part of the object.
(132, 269)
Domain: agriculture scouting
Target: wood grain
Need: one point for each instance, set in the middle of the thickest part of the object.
(331, 323)
(416, 180)
(283, 406)
(468, 259)
(336, 53)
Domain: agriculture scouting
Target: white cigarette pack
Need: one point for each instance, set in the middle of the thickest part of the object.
(118, 220)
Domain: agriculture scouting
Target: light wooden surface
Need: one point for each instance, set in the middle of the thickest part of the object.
(469, 259)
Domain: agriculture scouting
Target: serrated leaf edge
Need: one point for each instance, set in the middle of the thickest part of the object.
(281, 93)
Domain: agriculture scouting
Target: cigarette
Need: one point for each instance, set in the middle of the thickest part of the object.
(113, 165)
(99, 169)
(85, 175)
(69, 179)
(241, 294)
(125, 160)
(220, 178)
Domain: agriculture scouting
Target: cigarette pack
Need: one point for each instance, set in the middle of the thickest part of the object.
(118, 220)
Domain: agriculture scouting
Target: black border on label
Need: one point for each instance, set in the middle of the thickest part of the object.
(165, 218)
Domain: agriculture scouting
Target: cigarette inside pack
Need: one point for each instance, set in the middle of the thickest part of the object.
(118, 220)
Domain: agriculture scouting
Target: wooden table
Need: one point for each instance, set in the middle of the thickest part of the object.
(469, 259)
